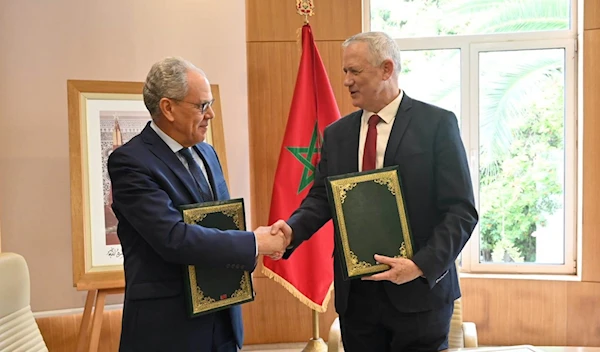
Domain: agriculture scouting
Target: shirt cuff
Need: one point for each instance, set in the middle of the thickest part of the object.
(255, 246)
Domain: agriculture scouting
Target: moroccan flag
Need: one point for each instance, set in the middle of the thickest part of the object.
(308, 273)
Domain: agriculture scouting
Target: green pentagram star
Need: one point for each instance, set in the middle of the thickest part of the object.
(305, 155)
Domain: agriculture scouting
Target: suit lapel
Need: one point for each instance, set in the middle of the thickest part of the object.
(400, 123)
(350, 164)
(162, 151)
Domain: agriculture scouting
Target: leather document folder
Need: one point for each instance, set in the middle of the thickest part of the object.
(211, 289)
(369, 216)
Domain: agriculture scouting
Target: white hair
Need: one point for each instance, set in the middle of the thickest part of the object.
(167, 79)
(381, 46)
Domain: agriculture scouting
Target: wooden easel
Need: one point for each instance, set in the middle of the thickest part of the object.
(90, 327)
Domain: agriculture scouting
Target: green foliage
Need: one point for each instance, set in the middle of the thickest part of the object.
(521, 110)
(505, 251)
(409, 18)
(525, 189)
(385, 15)
(507, 93)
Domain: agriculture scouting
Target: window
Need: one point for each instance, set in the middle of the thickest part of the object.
(508, 70)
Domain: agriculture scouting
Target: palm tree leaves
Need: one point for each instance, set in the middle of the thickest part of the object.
(506, 16)
(509, 84)
(528, 15)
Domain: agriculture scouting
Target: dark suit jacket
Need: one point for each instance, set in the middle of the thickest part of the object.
(425, 142)
(149, 182)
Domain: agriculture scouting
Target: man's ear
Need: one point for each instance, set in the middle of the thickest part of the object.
(388, 69)
(166, 107)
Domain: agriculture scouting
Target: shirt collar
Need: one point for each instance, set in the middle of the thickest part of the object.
(173, 144)
(388, 113)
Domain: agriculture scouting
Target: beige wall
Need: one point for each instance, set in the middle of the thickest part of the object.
(44, 43)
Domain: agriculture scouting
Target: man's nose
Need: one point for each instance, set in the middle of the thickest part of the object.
(210, 113)
(348, 81)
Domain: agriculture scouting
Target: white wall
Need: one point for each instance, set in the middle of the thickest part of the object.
(45, 42)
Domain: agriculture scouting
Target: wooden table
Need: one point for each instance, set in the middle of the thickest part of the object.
(570, 349)
(530, 348)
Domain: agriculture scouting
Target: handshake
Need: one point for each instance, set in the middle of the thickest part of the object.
(273, 240)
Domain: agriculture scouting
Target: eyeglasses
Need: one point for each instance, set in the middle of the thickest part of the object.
(203, 107)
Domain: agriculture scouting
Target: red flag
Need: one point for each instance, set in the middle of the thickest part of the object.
(308, 273)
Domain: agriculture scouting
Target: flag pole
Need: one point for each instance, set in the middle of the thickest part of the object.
(316, 343)
(315, 320)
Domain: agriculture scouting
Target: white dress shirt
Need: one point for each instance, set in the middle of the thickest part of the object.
(384, 129)
(176, 147)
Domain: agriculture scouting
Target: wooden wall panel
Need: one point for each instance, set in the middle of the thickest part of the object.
(275, 316)
(591, 163)
(272, 69)
(331, 54)
(511, 312)
(277, 20)
(516, 311)
(583, 315)
(60, 332)
(504, 311)
(591, 10)
(0, 229)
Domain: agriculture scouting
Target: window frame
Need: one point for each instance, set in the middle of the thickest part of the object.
(470, 46)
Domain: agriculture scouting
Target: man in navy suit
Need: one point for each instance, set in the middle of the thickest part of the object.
(165, 166)
(408, 307)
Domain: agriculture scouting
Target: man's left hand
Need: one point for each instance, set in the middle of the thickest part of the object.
(401, 270)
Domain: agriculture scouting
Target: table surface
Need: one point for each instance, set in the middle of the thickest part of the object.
(529, 348)
(570, 349)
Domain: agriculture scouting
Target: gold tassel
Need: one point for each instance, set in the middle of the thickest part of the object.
(294, 291)
(299, 40)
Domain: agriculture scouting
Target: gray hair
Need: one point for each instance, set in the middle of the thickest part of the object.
(167, 79)
(381, 47)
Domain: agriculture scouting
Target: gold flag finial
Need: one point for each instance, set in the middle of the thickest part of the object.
(305, 8)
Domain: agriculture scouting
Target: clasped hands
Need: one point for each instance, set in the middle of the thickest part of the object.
(273, 240)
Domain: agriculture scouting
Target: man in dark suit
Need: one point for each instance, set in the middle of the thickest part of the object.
(165, 166)
(408, 307)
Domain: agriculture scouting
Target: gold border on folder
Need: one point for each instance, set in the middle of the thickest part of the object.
(200, 302)
(340, 188)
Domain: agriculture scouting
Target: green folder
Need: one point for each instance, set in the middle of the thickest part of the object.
(369, 216)
(211, 289)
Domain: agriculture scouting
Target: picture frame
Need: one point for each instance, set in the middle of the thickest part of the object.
(103, 115)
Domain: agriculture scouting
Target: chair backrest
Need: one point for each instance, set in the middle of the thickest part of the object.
(455, 336)
(18, 329)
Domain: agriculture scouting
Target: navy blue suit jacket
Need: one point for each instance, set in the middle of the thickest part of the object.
(149, 182)
(425, 143)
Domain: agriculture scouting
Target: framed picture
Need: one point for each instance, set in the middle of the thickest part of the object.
(104, 115)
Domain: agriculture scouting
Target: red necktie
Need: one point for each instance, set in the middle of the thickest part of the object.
(370, 152)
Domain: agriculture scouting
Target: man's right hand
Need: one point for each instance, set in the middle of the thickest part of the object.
(277, 227)
(270, 242)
